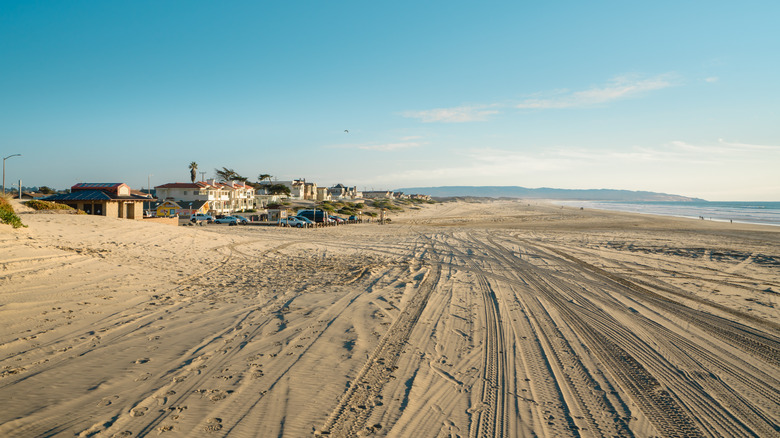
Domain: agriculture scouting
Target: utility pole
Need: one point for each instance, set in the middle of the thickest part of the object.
(14, 155)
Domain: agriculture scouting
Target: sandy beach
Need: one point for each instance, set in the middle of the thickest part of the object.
(496, 319)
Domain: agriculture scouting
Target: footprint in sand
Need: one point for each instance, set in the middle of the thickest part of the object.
(107, 400)
(213, 424)
(138, 412)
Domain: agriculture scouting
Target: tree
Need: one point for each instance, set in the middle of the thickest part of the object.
(278, 189)
(193, 171)
(229, 175)
(46, 190)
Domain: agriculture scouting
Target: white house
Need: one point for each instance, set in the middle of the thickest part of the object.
(241, 196)
(340, 191)
(223, 198)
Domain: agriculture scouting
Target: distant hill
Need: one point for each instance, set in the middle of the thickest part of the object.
(545, 193)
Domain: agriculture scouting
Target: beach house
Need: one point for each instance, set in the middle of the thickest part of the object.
(378, 194)
(340, 191)
(104, 199)
(222, 198)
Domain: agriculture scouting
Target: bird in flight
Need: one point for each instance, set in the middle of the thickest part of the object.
(347, 131)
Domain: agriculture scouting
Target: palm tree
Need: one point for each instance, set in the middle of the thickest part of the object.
(193, 170)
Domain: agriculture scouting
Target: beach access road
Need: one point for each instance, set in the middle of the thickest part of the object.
(460, 319)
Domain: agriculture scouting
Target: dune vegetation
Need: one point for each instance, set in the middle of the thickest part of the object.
(8, 215)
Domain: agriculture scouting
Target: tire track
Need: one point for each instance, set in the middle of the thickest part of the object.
(352, 411)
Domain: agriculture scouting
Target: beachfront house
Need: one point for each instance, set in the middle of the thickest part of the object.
(189, 208)
(323, 194)
(340, 191)
(169, 208)
(104, 199)
(299, 188)
(166, 208)
(241, 196)
(219, 198)
(378, 194)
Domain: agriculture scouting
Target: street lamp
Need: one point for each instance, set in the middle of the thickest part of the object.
(14, 155)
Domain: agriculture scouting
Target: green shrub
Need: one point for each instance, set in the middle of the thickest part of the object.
(387, 204)
(7, 214)
(37, 204)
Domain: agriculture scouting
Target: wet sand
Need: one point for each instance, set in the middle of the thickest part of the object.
(495, 319)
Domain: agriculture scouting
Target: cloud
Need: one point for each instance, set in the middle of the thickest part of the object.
(460, 114)
(621, 87)
(711, 79)
(390, 146)
(725, 148)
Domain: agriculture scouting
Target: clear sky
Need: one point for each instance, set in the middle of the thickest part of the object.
(676, 96)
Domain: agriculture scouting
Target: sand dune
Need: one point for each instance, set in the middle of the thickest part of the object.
(461, 319)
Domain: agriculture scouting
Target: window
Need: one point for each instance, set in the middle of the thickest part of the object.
(185, 193)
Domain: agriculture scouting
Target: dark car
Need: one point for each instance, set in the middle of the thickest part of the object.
(318, 216)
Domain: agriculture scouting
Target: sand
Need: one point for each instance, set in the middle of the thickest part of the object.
(497, 319)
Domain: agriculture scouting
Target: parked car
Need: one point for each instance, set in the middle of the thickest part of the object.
(292, 221)
(308, 222)
(314, 215)
(339, 219)
(242, 220)
(354, 218)
(231, 220)
(202, 217)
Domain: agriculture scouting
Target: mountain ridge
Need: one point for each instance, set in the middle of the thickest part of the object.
(546, 193)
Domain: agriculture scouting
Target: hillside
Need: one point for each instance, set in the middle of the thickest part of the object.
(546, 193)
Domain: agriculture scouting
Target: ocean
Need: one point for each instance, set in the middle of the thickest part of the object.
(765, 213)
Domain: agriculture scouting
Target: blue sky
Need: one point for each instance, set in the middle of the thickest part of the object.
(675, 97)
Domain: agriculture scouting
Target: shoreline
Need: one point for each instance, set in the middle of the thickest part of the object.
(625, 208)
